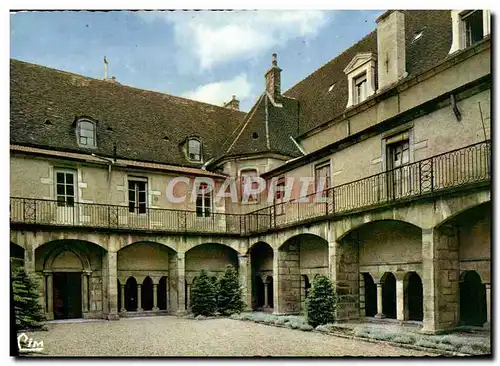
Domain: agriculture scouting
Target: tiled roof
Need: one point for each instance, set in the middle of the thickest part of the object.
(145, 125)
(319, 105)
(119, 162)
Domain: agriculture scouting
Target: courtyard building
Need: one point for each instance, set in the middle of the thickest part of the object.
(394, 134)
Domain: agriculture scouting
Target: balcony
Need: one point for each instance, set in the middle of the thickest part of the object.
(453, 170)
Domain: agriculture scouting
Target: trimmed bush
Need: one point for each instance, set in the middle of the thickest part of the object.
(229, 294)
(203, 295)
(26, 293)
(321, 302)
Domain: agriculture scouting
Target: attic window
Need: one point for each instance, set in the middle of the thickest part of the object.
(165, 138)
(418, 35)
(109, 129)
(85, 133)
(472, 27)
(469, 27)
(331, 87)
(194, 149)
(47, 122)
(255, 135)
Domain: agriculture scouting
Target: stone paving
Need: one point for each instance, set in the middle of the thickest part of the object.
(172, 336)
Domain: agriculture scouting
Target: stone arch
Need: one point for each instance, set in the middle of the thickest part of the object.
(131, 298)
(227, 242)
(16, 255)
(213, 257)
(370, 294)
(145, 258)
(482, 202)
(303, 254)
(414, 296)
(162, 293)
(388, 281)
(147, 294)
(43, 238)
(472, 299)
(358, 224)
(131, 240)
(59, 250)
(261, 256)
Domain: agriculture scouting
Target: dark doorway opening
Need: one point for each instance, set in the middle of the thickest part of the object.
(389, 295)
(67, 295)
(370, 295)
(307, 285)
(162, 294)
(131, 294)
(147, 294)
(270, 291)
(472, 300)
(259, 289)
(415, 297)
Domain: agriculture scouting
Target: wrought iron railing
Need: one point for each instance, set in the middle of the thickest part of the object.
(455, 168)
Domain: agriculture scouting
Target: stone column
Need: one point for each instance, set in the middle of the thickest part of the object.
(488, 305)
(85, 292)
(440, 270)
(245, 279)
(276, 283)
(49, 294)
(110, 279)
(139, 297)
(380, 310)
(188, 294)
(400, 300)
(167, 295)
(123, 310)
(266, 297)
(181, 278)
(155, 297)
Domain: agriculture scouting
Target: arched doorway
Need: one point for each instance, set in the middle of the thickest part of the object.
(162, 294)
(415, 297)
(259, 289)
(147, 294)
(389, 295)
(16, 256)
(131, 294)
(472, 299)
(270, 291)
(370, 295)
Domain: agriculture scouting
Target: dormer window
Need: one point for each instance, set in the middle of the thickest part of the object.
(469, 28)
(194, 150)
(360, 88)
(86, 133)
(361, 78)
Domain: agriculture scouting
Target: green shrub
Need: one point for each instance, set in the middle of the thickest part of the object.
(321, 302)
(203, 295)
(229, 299)
(28, 310)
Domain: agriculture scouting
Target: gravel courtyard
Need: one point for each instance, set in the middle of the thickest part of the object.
(172, 336)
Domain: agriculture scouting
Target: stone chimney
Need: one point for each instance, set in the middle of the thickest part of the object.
(391, 52)
(233, 104)
(273, 80)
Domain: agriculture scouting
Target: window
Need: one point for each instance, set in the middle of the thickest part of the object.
(86, 134)
(278, 196)
(194, 150)
(65, 188)
(399, 182)
(137, 188)
(472, 27)
(360, 89)
(245, 176)
(399, 154)
(203, 201)
(322, 173)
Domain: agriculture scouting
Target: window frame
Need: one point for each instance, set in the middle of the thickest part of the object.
(65, 202)
(253, 199)
(318, 167)
(202, 196)
(465, 17)
(200, 151)
(278, 206)
(79, 135)
(360, 83)
(136, 208)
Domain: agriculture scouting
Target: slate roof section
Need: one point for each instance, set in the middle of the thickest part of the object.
(318, 105)
(139, 119)
(267, 131)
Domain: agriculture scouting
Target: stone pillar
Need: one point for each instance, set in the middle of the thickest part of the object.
(488, 305)
(440, 279)
(400, 300)
(266, 297)
(181, 278)
(245, 279)
(85, 292)
(155, 297)
(110, 278)
(276, 282)
(380, 310)
(188, 295)
(123, 310)
(139, 297)
(49, 294)
(167, 294)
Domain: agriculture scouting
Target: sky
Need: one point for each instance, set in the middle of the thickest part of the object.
(203, 55)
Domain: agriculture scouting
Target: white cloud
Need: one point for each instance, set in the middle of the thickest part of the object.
(222, 91)
(214, 37)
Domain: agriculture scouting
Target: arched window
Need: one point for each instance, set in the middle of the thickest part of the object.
(194, 149)
(85, 132)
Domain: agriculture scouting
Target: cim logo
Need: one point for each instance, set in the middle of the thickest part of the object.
(28, 344)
